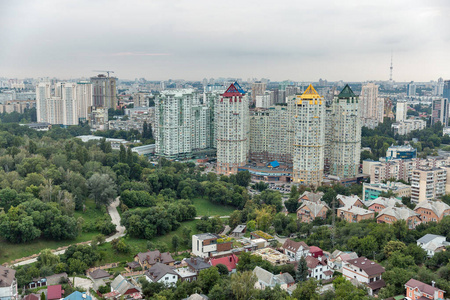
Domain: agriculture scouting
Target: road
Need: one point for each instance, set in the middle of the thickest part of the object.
(115, 217)
(222, 217)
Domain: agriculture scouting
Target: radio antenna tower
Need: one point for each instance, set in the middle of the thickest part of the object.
(392, 67)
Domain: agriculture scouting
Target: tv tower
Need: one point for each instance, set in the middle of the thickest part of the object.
(392, 67)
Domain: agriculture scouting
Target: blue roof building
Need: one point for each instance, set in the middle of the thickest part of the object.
(78, 296)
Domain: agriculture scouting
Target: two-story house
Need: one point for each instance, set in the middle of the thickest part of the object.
(380, 203)
(432, 243)
(311, 196)
(162, 273)
(318, 268)
(391, 215)
(269, 280)
(205, 244)
(308, 211)
(8, 284)
(337, 257)
(347, 201)
(295, 250)
(229, 261)
(147, 259)
(416, 290)
(365, 272)
(432, 211)
(354, 214)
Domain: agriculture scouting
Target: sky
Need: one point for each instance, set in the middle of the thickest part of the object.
(350, 40)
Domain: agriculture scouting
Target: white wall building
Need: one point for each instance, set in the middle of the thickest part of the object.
(8, 284)
(371, 107)
(43, 92)
(162, 273)
(402, 109)
(345, 135)
(309, 137)
(232, 135)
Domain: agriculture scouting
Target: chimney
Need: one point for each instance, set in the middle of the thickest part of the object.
(433, 283)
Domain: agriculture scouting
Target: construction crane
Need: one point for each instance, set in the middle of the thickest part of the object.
(103, 71)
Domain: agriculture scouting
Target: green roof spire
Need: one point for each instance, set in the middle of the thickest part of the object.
(346, 93)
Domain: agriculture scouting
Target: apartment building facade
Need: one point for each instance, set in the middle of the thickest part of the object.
(428, 184)
(309, 138)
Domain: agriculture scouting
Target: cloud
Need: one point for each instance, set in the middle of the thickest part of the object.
(139, 54)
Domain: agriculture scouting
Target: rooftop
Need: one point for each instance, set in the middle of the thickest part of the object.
(368, 266)
(207, 236)
(346, 93)
(310, 94)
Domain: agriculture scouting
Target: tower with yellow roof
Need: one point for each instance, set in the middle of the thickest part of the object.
(309, 138)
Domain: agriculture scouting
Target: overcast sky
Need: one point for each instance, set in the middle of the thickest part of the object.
(193, 39)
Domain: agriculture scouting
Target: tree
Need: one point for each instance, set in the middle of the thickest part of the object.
(301, 274)
(393, 246)
(223, 270)
(175, 242)
(47, 258)
(208, 278)
(291, 205)
(242, 285)
(102, 188)
(306, 290)
(122, 154)
(43, 296)
(243, 178)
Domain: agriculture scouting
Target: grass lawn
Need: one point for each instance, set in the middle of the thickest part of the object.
(10, 252)
(206, 208)
(140, 245)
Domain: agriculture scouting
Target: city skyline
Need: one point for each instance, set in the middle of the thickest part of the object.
(197, 39)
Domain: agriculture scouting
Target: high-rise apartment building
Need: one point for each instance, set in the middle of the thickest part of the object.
(141, 99)
(104, 91)
(345, 138)
(182, 124)
(446, 90)
(84, 99)
(439, 112)
(173, 122)
(232, 117)
(43, 92)
(271, 135)
(371, 106)
(411, 89)
(402, 109)
(258, 89)
(309, 138)
(428, 184)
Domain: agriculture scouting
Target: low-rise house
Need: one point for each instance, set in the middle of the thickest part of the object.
(354, 214)
(196, 264)
(311, 196)
(432, 243)
(98, 274)
(78, 296)
(161, 273)
(49, 280)
(239, 231)
(337, 257)
(308, 211)
(8, 284)
(380, 203)
(315, 251)
(229, 261)
(295, 250)
(54, 292)
(186, 274)
(365, 272)
(391, 215)
(416, 290)
(32, 297)
(205, 244)
(149, 258)
(274, 257)
(268, 280)
(318, 268)
(121, 287)
(432, 211)
(197, 297)
(347, 201)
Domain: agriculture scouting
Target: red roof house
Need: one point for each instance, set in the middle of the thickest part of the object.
(229, 261)
(54, 292)
(315, 251)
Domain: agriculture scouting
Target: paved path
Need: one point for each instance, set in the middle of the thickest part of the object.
(222, 217)
(115, 217)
